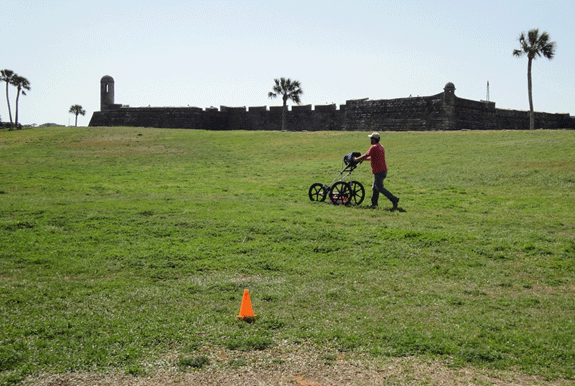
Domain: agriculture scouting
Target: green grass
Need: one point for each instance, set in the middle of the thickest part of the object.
(119, 245)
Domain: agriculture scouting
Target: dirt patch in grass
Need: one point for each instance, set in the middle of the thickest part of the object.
(299, 365)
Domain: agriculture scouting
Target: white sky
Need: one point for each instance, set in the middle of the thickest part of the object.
(227, 53)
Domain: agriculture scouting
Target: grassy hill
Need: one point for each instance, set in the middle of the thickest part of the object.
(119, 245)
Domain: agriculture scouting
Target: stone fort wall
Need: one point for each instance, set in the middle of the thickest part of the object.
(443, 111)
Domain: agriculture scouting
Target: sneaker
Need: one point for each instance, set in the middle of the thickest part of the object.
(372, 206)
(395, 203)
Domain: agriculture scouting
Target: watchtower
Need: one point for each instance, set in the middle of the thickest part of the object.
(449, 106)
(106, 92)
(449, 94)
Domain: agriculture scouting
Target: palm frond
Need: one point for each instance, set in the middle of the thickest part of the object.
(533, 36)
(288, 89)
(535, 45)
(548, 50)
(518, 53)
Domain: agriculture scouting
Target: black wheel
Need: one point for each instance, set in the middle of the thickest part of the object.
(357, 193)
(340, 193)
(317, 192)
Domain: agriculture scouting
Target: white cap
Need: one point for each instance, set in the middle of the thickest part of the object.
(374, 135)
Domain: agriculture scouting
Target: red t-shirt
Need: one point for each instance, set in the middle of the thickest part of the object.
(376, 154)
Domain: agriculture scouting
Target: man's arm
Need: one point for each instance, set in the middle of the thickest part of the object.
(363, 157)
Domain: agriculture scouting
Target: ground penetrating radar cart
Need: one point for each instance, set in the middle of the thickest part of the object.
(340, 191)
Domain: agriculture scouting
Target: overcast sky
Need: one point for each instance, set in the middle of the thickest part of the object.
(227, 53)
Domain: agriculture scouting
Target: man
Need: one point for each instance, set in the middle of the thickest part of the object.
(376, 154)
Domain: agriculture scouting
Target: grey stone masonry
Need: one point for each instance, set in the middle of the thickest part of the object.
(444, 111)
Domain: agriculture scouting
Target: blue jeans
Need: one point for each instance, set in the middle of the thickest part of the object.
(378, 188)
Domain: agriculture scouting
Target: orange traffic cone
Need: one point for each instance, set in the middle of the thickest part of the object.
(246, 310)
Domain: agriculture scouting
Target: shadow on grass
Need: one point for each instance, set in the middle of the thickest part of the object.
(369, 207)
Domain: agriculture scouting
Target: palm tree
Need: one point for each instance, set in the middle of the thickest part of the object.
(77, 110)
(534, 45)
(289, 90)
(21, 84)
(6, 76)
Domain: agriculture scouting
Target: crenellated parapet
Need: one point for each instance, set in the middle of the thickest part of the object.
(444, 111)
